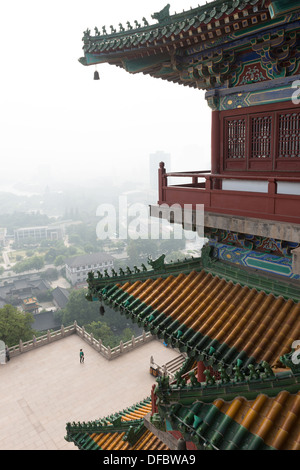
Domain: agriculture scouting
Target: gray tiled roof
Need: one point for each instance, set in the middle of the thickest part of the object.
(93, 258)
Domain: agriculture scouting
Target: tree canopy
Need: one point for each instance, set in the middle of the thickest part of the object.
(85, 312)
(101, 330)
(79, 309)
(36, 262)
(15, 325)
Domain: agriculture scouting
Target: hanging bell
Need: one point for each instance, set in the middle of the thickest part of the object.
(101, 309)
(96, 75)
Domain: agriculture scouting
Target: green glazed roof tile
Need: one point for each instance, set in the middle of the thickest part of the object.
(197, 312)
(262, 423)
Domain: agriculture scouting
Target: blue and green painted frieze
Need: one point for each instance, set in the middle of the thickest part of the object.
(267, 262)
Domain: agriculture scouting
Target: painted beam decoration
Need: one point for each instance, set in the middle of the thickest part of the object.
(218, 46)
(265, 254)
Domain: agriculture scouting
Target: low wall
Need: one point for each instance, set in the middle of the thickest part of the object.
(107, 352)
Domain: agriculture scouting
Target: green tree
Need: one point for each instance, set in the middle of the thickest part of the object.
(86, 313)
(50, 274)
(74, 238)
(15, 325)
(59, 260)
(36, 262)
(79, 309)
(139, 250)
(51, 255)
(101, 330)
(127, 335)
(72, 250)
(88, 248)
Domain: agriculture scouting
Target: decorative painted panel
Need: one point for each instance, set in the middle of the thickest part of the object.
(251, 242)
(245, 99)
(263, 261)
(252, 73)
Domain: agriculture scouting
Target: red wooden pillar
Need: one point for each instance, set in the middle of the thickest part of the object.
(200, 371)
(215, 142)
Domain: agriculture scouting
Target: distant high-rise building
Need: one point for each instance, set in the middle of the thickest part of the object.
(154, 160)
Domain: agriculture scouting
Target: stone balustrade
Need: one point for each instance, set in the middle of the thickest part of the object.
(107, 352)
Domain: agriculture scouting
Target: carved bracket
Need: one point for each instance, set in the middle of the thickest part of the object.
(279, 54)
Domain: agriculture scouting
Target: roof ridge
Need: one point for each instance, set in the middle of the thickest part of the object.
(165, 19)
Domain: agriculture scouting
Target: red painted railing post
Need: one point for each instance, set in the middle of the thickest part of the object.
(208, 182)
(162, 182)
(154, 407)
(208, 187)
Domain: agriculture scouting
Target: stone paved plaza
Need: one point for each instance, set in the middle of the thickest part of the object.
(41, 390)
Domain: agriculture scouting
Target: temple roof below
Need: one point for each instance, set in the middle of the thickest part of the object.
(209, 318)
(124, 430)
(263, 423)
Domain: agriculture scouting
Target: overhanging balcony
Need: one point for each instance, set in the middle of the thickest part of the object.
(261, 197)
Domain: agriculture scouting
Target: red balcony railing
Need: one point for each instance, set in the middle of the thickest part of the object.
(259, 196)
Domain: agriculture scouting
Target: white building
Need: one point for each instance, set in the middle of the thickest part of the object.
(49, 232)
(77, 268)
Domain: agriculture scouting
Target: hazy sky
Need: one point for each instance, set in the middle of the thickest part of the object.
(57, 122)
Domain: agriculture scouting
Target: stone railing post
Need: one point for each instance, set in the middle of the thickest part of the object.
(34, 341)
(21, 346)
(109, 352)
(48, 336)
(62, 330)
(133, 341)
(121, 346)
(296, 261)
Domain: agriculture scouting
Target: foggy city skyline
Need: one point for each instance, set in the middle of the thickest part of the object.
(60, 126)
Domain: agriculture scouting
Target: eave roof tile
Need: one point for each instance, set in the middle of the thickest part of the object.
(108, 434)
(265, 423)
(174, 24)
(209, 317)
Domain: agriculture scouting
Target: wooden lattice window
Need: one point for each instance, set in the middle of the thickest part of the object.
(289, 135)
(261, 137)
(236, 138)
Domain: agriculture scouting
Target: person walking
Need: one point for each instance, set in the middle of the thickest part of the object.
(81, 355)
